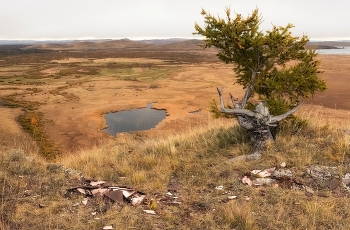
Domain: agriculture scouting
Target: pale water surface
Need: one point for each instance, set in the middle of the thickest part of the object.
(133, 120)
(345, 51)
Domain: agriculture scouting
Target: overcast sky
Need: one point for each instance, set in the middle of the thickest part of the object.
(143, 19)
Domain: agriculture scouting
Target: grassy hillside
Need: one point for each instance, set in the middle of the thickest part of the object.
(33, 191)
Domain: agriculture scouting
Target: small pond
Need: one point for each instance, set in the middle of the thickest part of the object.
(133, 120)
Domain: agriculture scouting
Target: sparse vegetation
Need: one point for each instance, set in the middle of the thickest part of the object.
(198, 160)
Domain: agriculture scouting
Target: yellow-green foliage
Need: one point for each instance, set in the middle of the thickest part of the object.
(32, 123)
(272, 64)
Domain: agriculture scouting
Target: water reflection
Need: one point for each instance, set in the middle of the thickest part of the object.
(133, 120)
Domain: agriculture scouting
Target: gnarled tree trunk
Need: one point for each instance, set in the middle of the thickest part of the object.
(257, 123)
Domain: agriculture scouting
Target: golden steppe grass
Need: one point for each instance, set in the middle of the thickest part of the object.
(198, 159)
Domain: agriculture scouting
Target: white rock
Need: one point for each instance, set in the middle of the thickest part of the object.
(246, 180)
(264, 181)
(84, 201)
(309, 190)
(81, 190)
(137, 200)
(255, 171)
(150, 212)
(283, 173)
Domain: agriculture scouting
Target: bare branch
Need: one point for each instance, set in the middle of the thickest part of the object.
(276, 119)
(234, 101)
(236, 111)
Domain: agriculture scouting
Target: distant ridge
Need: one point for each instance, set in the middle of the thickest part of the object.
(156, 44)
(147, 41)
(108, 44)
(159, 41)
(32, 42)
(329, 44)
(163, 41)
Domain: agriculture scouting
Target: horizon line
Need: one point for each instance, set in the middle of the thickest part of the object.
(148, 38)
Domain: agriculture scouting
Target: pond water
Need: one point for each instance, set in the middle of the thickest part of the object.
(133, 120)
(345, 51)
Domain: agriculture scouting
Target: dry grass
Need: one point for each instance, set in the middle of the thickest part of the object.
(33, 196)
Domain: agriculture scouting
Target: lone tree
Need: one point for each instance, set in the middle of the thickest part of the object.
(273, 65)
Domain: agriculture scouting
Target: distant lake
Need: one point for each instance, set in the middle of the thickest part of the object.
(345, 51)
(133, 120)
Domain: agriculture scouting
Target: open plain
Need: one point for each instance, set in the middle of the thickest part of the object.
(68, 88)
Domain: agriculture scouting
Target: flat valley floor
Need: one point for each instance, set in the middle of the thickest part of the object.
(71, 90)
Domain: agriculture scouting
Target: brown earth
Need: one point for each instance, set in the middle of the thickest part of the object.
(75, 89)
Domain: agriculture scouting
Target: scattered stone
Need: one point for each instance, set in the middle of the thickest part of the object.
(114, 193)
(108, 227)
(247, 198)
(266, 172)
(220, 187)
(81, 190)
(150, 212)
(282, 173)
(116, 196)
(283, 164)
(263, 173)
(322, 172)
(246, 180)
(128, 193)
(346, 179)
(232, 197)
(255, 171)
(99, 191)
(96, 183)
(137, 200)
(264, 181)
(309, 190)
(332, 185)
(85, 201)
(27, 192)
